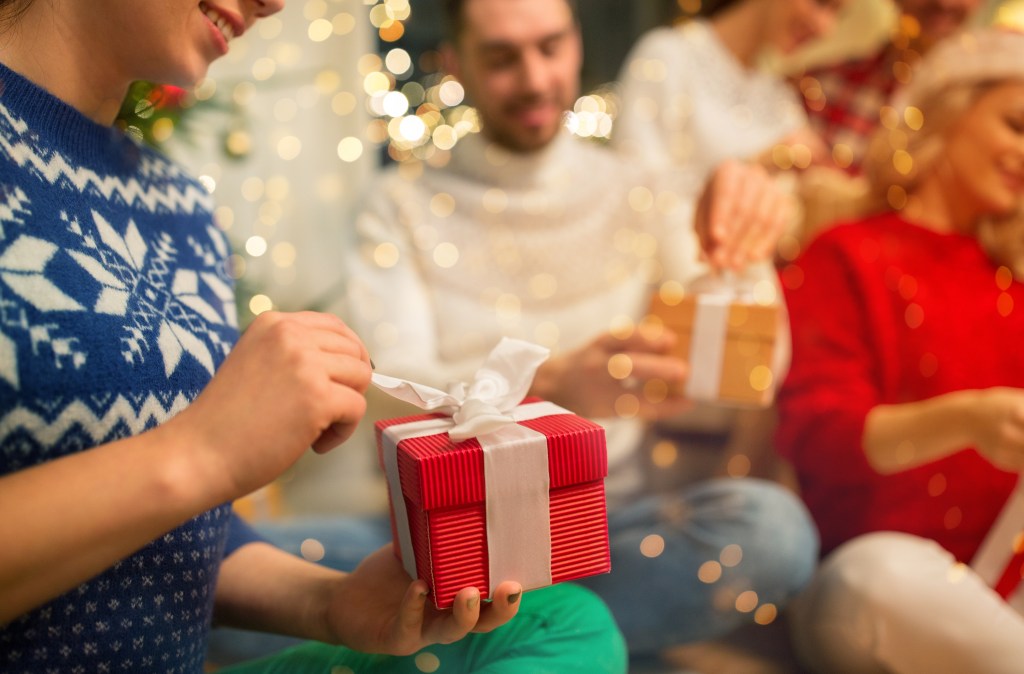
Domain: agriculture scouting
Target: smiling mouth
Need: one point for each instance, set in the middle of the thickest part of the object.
(223, 25)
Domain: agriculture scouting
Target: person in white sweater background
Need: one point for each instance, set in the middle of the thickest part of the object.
(700, 93)
(528, 232)
(697, 94)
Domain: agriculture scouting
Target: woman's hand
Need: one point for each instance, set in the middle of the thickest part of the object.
(378, 609)
(741, 214)
(997, 425)
(292, 382)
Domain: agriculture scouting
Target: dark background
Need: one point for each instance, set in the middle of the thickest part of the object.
(610, 28)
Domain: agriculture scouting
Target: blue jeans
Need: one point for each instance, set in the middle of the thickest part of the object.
(660, 601)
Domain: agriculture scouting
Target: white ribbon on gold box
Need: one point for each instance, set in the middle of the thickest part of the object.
(728, 334)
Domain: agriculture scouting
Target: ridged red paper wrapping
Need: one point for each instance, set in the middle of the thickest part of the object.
(443, 486)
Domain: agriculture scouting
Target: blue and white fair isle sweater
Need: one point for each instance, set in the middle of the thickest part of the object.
(115, 311)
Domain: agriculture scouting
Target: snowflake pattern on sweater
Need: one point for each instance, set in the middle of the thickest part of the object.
(116, 308)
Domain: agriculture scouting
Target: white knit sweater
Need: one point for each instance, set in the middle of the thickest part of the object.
(688, 104)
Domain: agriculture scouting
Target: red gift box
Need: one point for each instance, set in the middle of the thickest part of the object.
(444, 490)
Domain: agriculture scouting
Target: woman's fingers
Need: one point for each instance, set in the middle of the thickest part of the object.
(503, 607)
(411, 615)
(460, 620)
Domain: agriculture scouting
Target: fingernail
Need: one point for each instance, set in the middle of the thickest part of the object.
(513, 598)
(472, 602)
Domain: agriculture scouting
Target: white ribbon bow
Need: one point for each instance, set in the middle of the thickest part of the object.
(482, 406)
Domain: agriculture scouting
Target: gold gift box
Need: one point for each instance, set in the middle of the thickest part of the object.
(747, 379)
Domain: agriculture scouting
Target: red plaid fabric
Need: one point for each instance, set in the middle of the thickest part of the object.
(843, 101)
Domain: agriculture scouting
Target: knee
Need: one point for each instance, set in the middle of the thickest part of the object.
(569, 603)
(875, 573)
(770, 524)
(750, 501)
(774, 508)
(570, 616)
(862, 590)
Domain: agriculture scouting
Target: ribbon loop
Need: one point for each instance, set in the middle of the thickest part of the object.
(482, 405)
(475, 418)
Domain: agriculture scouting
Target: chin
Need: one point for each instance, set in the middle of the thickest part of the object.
(531, 140)
(1004, 207)
(793, 43)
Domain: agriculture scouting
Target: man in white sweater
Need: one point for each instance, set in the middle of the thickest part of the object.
(528, 232)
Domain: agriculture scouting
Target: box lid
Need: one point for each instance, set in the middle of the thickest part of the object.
(436, 472)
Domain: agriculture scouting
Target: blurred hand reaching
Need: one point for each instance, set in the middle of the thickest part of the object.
(740, 215)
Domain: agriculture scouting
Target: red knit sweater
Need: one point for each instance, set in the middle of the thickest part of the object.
(883, 312)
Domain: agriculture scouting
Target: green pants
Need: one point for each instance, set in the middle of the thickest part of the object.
(564, 629)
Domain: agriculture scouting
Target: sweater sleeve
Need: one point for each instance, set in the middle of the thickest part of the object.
(836, 370)
(239, 534)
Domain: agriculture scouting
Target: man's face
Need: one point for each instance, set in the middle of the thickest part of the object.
(519, 61)
(938, 18)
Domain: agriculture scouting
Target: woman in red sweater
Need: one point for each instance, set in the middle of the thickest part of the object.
(903, 412)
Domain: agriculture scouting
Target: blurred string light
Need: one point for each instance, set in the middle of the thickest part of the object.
(593, 115)
(251, 216)
(1011, 14)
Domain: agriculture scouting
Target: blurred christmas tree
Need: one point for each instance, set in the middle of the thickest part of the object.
(151, 112)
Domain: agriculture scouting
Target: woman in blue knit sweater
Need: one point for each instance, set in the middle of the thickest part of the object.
(132, 414)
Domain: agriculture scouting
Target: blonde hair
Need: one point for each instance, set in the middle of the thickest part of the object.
(913, 139)
(901, 154)
(950, 79)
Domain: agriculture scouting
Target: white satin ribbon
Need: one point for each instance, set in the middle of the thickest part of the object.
(391, 436)
(997, 550)
(707, 346)
(516, 476)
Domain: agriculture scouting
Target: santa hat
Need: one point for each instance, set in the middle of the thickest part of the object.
(971, 57)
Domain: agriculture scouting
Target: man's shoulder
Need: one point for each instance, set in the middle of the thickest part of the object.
(409, 187)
